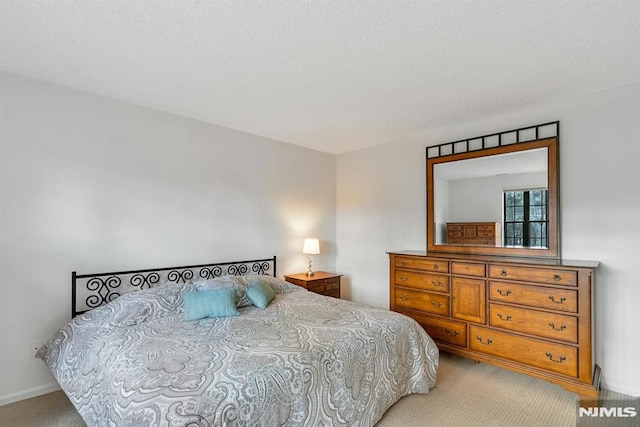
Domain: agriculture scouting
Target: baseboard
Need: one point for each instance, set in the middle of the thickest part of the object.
(26, 394)
(618, 389)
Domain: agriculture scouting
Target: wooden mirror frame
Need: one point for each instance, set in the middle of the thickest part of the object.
(553, 231)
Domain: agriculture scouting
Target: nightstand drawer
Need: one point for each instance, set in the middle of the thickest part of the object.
(324, 285)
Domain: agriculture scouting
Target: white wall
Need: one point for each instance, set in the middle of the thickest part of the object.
(441, 210)
(92, 184)
(485, 195)
(381, 207)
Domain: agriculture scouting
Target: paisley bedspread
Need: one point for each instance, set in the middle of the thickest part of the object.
(305, 360)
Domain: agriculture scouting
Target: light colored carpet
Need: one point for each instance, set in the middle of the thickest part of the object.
(477, 394)
(466, 394)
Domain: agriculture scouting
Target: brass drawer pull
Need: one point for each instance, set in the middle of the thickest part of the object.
(506, 319)
(489, 341)
(435, 266)
(403, 262)
(556, 277)
(436, 304)
(553, 299)
(561, 328)
(438, 283)
(404, 278)
(404, 297)
(550, 356)
(506, 293)
(503, 273)
(448, 331)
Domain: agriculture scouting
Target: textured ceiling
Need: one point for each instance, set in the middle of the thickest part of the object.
(333, 75)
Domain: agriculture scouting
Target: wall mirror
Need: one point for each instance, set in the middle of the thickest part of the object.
(495, 194)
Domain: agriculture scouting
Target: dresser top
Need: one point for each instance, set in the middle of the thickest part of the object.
(501, 259)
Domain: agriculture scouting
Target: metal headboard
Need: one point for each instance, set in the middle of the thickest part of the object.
(99, 288)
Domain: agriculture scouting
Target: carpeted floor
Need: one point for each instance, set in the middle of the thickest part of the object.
(466, 394)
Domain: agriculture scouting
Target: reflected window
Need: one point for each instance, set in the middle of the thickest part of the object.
(525, 218)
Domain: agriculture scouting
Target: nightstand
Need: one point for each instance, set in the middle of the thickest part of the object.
(321, 282)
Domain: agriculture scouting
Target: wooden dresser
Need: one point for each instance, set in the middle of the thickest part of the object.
(474, 233)
(534, 316)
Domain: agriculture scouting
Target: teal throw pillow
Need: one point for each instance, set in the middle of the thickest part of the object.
(220, 302)
(260, 293)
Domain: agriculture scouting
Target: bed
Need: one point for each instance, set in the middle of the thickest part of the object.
(130, 358)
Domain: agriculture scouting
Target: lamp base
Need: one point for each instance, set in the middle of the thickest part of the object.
(310, 272)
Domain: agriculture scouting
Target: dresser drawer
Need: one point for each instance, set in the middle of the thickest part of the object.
(486, 234)
(538, 275)
(441, 329)
(554, 357)
(422, 300)
(468, 268)
(543, 324)
(427, 281)
(426, 264)
(469, 230)
(534, 296)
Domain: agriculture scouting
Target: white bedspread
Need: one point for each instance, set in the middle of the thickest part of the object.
(305, 360)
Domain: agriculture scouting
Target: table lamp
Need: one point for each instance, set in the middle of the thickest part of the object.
(311, 247)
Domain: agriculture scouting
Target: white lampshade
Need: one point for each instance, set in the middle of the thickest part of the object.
(311, 246)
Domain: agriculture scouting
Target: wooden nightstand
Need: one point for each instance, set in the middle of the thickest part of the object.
(321, 282)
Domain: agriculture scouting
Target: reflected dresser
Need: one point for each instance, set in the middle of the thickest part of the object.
(474, 233)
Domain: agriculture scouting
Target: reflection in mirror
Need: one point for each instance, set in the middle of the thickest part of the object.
(498, 200)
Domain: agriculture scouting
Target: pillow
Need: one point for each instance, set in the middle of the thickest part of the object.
(280, 286)
(211, 303)
(237, 282)
(260, 293)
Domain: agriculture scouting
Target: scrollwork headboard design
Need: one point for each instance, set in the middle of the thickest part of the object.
(94, 290)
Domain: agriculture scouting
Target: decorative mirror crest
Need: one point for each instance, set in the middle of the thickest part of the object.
(500, 139)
